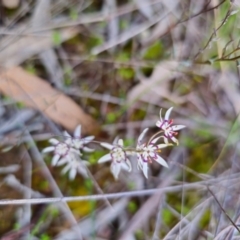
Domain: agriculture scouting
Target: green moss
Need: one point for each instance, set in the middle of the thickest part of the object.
(154, 52)
(44, 237)
(132, 207)
(167, 217)
(111, 117)
(73, 14)
(126, 73)
(56, 38)
(205, 220)
(95, 156)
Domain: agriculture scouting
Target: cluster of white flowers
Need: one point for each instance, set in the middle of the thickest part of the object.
(69, 151)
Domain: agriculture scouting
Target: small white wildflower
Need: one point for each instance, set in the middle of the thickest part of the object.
(61, 150)
(148, 152)
(118, 157)
(74, 165)
(166, 125)
(77, 141)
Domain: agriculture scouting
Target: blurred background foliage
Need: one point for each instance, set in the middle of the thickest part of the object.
(120, 62)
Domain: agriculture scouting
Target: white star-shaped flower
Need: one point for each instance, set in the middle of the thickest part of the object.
(118, 157)
(77, 141)
(147, 152)
(74, 165)
(167, 127)
(62, 151)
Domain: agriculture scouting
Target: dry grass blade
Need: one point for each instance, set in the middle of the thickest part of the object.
(36, 93)
(24, 47)
(157, 85)
(103, 218)
(127, 35)
(144, 8)
(41, 18)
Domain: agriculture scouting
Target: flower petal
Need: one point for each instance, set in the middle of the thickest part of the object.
(77, 132)
(174, 140)
(166, 140)
(160, 115)
(55, 160)
(53, 141)
(115, 169)
(159, 124)
(161, 161)
(63, 160)
(72, 173)
(68, 141)
(66, 134)
(141, 136)
(163, 145)
(82, 170)
(105, 158)
(73, 150)
(48, 149)
(178, 127)
(120, 142)
(167, 114)
(87, 149)
(66, 168)
(107, 145)
(115, 141)
(155, 140)
(88, 139)
(145, 169)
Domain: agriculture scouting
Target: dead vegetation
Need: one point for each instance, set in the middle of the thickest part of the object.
(110, 65)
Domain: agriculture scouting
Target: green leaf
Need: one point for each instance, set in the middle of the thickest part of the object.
(126, 73)
(132, 207)
(56, 37)
(73, 14)
(154, 51)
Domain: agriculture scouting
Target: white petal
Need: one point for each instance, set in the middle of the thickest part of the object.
(141, 136)
(88, 139)
(68, 141)
(77, 132)
(82, 170)
(174, 140)
(48, 149)
(55, 159)
(53, 141)
(72, 173)
(145, 169)
(73, 150)
(120, 142)
(124, 166)
(85, 163)
(115, 169)
(178, 127)
(162, 145)
(160, 115)
(63, 161)
(155, 140)
(105, 158)
(159, 124)
(87, 149)
(115, 141)
(166, 140)
(66, 134)
(168, 113)
(161, 161)
(66, 168)
(107, 145)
